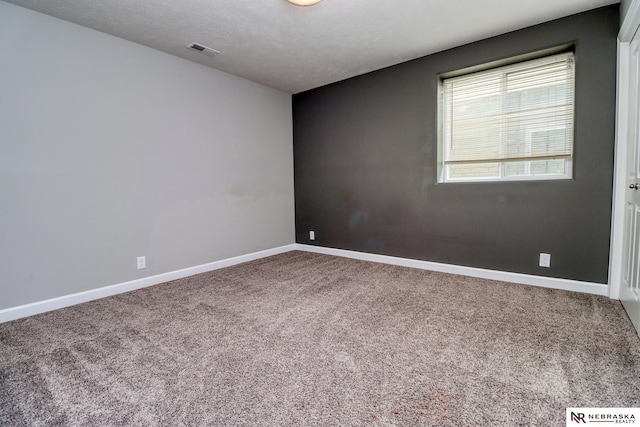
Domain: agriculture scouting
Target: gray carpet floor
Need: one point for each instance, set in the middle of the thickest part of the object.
(306, 339)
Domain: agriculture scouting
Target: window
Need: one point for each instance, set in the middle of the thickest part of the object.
(508, 123)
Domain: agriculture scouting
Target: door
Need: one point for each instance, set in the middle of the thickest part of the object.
(630, 289)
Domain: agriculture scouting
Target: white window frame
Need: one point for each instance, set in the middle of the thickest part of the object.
(443, 170)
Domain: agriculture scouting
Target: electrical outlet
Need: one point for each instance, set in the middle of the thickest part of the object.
(142, 262)
(312, 235)
(545, 260)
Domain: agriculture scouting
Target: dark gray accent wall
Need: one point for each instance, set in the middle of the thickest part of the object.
(365, 165)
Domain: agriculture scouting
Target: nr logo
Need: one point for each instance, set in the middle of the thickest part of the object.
(576, 418)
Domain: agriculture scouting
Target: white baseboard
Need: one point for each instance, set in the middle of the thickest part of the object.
(26, 310)
(524, 279)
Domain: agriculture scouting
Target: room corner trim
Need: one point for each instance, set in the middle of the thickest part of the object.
(38, 307)
(524, 279)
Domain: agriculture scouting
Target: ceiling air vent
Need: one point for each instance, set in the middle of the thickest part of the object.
(203, 49)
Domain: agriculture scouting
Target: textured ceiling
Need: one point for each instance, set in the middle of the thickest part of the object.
(296, 48)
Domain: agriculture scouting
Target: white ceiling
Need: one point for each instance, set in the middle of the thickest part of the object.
(296, 48)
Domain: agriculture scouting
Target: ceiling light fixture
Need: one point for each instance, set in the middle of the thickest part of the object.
(304, 2)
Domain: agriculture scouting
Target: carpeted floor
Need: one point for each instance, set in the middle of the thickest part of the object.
(306, 339)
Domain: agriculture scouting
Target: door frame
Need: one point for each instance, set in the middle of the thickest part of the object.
(616, 257)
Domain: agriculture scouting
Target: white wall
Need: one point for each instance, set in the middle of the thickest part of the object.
(625, 5)
(624, 8)
(110, 150)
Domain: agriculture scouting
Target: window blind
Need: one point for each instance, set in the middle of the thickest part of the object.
(515, 113)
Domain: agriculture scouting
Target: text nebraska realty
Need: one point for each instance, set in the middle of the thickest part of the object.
(615, 418)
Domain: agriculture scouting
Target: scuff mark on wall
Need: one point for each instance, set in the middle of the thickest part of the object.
(356, 218)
